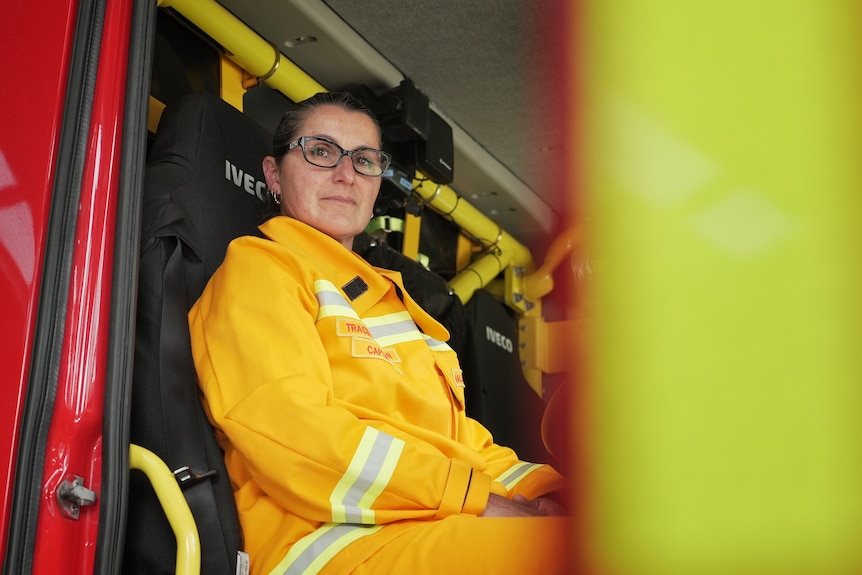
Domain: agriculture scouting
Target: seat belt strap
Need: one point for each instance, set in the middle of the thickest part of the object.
(177, 377)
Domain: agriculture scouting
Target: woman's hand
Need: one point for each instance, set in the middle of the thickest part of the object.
(520, 506)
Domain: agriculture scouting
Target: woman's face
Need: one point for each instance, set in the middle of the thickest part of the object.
(337, 201)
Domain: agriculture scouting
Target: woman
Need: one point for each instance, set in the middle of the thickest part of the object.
(338, 404)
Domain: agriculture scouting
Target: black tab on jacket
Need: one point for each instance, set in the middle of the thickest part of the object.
(355, 288)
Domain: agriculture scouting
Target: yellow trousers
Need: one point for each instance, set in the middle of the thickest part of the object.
(467, 545)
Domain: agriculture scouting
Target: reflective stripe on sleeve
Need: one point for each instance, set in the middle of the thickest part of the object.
(312, 552)
(366, 477)
(332, 303)
(512, 476)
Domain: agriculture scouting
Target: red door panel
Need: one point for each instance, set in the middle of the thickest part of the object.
(35, 50)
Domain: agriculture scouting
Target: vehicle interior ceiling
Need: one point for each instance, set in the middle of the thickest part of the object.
(477, 63)
(483, 69)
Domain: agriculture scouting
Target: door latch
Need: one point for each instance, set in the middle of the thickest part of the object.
(72, 495)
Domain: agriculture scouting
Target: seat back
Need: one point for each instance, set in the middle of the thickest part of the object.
(497, 393)
(204, 186)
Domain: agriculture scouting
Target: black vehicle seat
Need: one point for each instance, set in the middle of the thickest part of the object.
(497, 391)
(204, 186)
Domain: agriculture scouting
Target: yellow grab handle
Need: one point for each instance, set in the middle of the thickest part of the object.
(174, 505)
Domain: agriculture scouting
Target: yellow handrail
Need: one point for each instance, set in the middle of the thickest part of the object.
(174, 505)
(540, 283)
(502, 249)
(258, 57)
(247, 48)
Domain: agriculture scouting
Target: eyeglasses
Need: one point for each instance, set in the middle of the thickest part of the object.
(326, 154)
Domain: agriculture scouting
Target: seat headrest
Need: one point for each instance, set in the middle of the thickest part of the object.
(204, 182)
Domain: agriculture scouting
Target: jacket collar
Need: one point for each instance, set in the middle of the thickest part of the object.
(344, 266)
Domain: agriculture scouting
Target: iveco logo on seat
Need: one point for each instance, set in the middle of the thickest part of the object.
(244, 181)
(499, 339)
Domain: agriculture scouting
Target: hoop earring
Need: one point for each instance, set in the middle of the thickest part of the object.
(275, 197)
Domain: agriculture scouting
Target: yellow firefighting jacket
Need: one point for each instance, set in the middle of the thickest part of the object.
(337, 401)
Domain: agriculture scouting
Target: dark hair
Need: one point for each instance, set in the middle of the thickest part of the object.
(290, 124)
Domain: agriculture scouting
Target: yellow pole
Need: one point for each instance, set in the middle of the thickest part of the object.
(174, 505)
(476, 275)
(504, 250)
(540, 282)
(247, 48)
